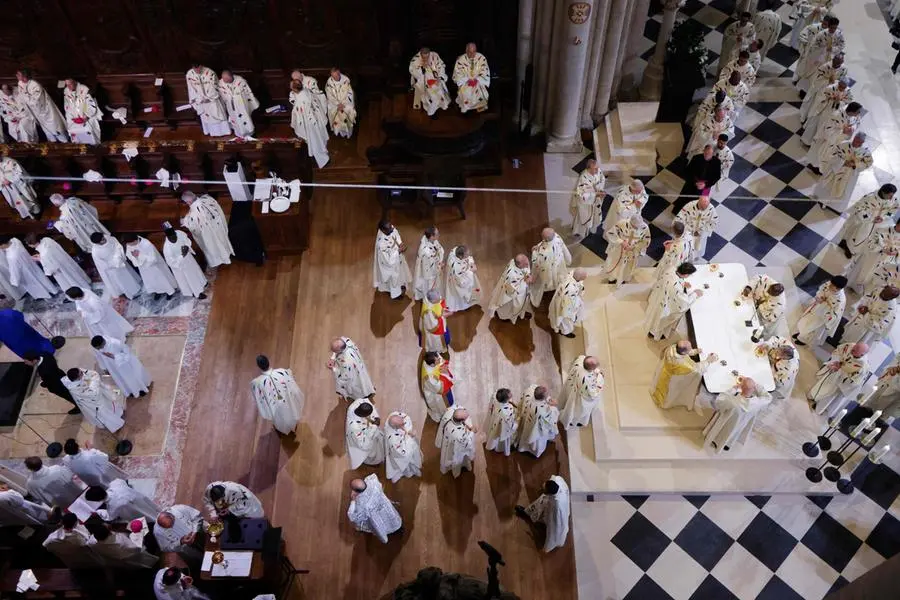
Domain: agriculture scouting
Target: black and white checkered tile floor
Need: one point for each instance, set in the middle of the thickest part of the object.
(757, 547)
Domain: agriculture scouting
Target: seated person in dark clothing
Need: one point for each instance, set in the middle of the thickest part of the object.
(50, 373)
(703, 172)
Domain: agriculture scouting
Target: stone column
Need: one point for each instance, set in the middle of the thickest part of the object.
(651, 86)
(564, 134)
(595, 60)
(523, 52)
(543, 32)
(617, 18)
(632, 65)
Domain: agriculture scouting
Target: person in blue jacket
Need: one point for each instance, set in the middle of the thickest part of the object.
(20, 337)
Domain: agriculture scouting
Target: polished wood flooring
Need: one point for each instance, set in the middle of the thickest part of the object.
(290, 309)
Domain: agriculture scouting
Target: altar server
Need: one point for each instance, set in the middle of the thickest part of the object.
(472, 77)
(874, 317)
(675, 251)
(43, 109)
(768, 300)
(77, 220)
(179, 254)
(462, 283)
(823, 315)
(240, 102)
(437, 384)
(54, 485)
(176, 529)
(842, 165)
(737, 37)
(582, 392)
(428, 79)
(390, 271)
(785, 363)
(628, 241)
(341, 103)
(91, 465)
(309, 117)
(549, 259)
(57, 263)
(538, 420)
(97, 400)
(231, 498)
(736, 413)
(82, 113)
(155, 273)
(838, 380)
(206, 222)
(628, 201)
(700, 219)
(503, 422)
(509, 300)
(203, 94)
(371, 511)
(402, 454)
(24, 272)
(429, 264)
(456, 440)
(567, 305)
(69, 544)
(99, 316)
(351, 377)
(870, 213)
(19, 120)
(124, 367)
(109, 257)
(16, 510)
(277, 396)
(552, 509)
(677, 378)
(171, 584)
(586, 204)
(365, 439)
(434, 333)
(670, 299)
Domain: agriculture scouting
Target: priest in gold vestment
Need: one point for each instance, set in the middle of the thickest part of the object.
(677, 378)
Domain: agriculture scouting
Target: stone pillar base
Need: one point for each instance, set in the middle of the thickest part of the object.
(566, 145)
(651, 84)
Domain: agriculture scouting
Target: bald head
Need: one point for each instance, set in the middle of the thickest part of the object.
(859, 350)
(396, 421)
(547, 234)
(358, 485)
(889, 292)
(636, 186)
(338, 345)
(636, 221)
(433, 296)
(703, 202)
(460, 415)
(748, 387)
(165, 520)
(590, 363)
(522, 261)
(683, 347)
(579, 274)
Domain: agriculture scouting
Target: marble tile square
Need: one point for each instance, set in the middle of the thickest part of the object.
(772, 132)
(752, 148)
(730, 514)
(704, 541)
(724, 188)
(731, 253)
(741, 169)
(677, 573)
(824, 222)
(763, 185)
(711, 17)
(712, 588)
(862, 562)
(804, 240)
(730, 223)
(754, 242)
(666, 182)
(806, 573)
(856, 512)
(641, 541)
(670, 513)
(776, 589)
(773, 221)
(647, 589)
(787, 116)
(767, 541)
(782, 166)
(885, 538)
(742, 573)
(795, 513)
(748, 120)
(881, 484)
(832, 542)
(714, 245)
(805, 182)
(794, 148)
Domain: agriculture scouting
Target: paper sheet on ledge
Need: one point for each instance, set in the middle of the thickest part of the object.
(239, 564)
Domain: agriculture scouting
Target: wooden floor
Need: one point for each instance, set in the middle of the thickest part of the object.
(290, 310)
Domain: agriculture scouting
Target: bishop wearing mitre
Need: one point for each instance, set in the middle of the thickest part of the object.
(628, 241)
(207, 223)
(16, 188)
(437, 385)
(552, 508)
(509, 299)
(472, 77)
(567, 304)
(823, 315)
(277, 396)
(429, 264)
(736, 413)
(538, 420)
(341, 105)
(582, 392)
(586, 204)
(390, 271)
(838, 379)
(428, 78)
(109, 257)
(463, 288)
(43, 109)
(351, 377)
(874, 317)
(82, 113)
(402, 455)
(434, 333)
(670, 298)
(97, 400)
(456, 440)
(549, 259)
(309, 117)
(240, 102)
(503, 422)
(57, 263)
(179, 254)
(18, 117)
(77, 220)
(203, 94)
(155, 273)
(677, 378)
(365, 439)
(123, 366)
(99, 317)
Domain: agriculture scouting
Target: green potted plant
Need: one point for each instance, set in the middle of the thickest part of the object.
(686, 60)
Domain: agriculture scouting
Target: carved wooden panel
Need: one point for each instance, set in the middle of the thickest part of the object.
(107, 37)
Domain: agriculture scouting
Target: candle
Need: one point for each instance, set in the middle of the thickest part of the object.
(873, 435)
(876, 455)
(863, 425)
(867, 397)
(836, 419)
(875, 416)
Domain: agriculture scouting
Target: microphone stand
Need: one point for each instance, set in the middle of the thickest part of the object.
(54, 449)
(123, 446)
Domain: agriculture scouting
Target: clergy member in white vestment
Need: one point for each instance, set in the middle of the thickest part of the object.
(124, 367)
(463, 288)
(741, 64)
(155, 273)
(82, 113)
(69, 544)
(231, 498)
(670, 299)
(390, 271)
(873, 317)
(715, 98)
(582, 392)
(886, 272)
(628, 201)
(16, 510)
(503, 422)
(402, 454)
(830, 97)
(725, 156)
(45, 112)
(866, 216)
(54, 485)
(119, 279)
(718, 123)
(737, 37)
(123, 502)
(434, 333)
(179, 254)
(839, 125)
(91, 465)
(99, 316)
(57, 263)
(567, 305)
(586, 204)
(437, 384)
(736, 413)
(277, 395)
(24, 272)
(884, 242)
(785, 362)
(472, 77)
(839, 379)
(827, 74)
(700, 219)
(456, 440)
(77, 220)
(428, 79)
(203, 94)
(176, 530)
(628, 241)
(19, 120)
(805, 13)
(365, 438)
(767, 24)
(206, 222)
(118, 550)
(821, 48)
(738, 91)
(538, 416)
(6, 287)
(677, 378)
(16, 188)
(429, 271)
(351, 377)
(887, 394)
(509, 300)
(341, 103)
(240, 102)
(309, 117)
(549, 259)
(552, 509)
(371, 511)
(675, 251)
(823, 315)
(171, 584)
(97, 400)
(768, 300)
